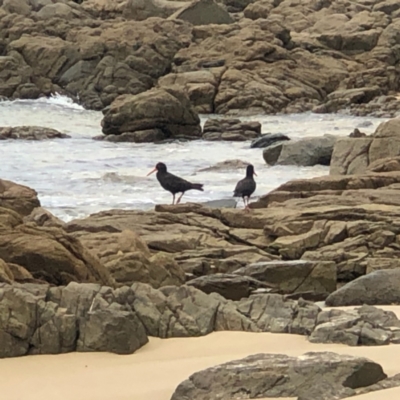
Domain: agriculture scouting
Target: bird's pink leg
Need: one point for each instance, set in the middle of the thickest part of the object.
(247, 207)
(179, 198)
(173, 199)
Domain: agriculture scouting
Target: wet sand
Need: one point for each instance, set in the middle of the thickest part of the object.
(154, 371)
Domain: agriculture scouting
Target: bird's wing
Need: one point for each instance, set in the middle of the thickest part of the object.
(239, 188)
(178, 183)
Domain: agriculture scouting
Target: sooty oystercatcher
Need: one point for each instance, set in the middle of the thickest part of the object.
(246, 186)
(173, 183)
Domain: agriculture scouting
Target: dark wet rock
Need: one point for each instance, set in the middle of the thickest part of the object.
(168, 110)
(267, 140)
(230, 129)
(328, 375)
(287, 277)
(304, 152)
(365, 326)
(30, 133)
(379, 287)
(230, 286)
(388, 383)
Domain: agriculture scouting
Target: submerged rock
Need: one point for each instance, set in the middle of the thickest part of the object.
(230, 129)
(30, 133)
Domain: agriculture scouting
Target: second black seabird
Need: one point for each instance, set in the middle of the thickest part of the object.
(246, 186)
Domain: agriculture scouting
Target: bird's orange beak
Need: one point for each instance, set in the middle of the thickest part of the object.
(153, 170)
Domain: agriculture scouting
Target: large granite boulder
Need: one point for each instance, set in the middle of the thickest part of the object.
(304, 152)
(327, 375)
(18, 198)
(304, 278)
(355, 155)
(168, 110)
(379, 287)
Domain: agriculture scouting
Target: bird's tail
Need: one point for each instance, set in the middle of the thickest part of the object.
(198, 186)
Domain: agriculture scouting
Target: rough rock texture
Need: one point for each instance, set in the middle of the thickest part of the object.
(322, 375)
(272, 56)
(305, 152)
(230, 286)
(34, 246)
(30, 133)
(365, 326)
(352, 220)
(187, 311)
(128, 259)
(167, 110)
(355, 155)
(202, 240)
(305, 278)
(38, 319)
(48, 254)
(18, 198)
(379, 287)
(230, 129)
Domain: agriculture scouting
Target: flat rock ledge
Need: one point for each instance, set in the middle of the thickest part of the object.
(40, 319)
(322, 375)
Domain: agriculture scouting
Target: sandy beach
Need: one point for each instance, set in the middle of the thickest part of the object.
(155, 370)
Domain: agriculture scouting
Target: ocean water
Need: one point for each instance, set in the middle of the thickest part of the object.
(79, 176)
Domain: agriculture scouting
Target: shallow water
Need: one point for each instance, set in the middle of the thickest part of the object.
(79, 176)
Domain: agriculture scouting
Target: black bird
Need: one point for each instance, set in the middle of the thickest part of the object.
(173, 183)
(246, 186)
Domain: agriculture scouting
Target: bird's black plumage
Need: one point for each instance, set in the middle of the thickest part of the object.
(172, 183)
(246, 186)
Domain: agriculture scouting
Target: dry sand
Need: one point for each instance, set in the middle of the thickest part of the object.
(153, 372)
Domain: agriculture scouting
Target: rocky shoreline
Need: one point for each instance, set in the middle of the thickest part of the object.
(226, 57)
(111, 280)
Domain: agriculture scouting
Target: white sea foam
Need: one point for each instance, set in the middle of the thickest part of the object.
(78, 176)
